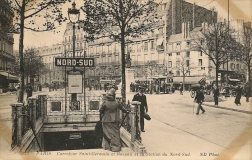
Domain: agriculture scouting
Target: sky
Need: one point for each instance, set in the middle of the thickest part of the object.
(238, 9)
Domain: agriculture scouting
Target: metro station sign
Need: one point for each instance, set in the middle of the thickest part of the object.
(74, 62)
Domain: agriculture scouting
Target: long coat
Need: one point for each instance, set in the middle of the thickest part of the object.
(199, 97)
(142, 99)
(216, 92)
(109, 110)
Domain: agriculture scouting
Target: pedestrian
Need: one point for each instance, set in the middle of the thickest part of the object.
(28, 90)
(247, 91)
(140, 97)
(238, 96)
(181, 89)
(216, 94)
(110, 119)
(18, 94)
(199, 98)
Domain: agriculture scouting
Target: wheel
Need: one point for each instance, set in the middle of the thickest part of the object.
(192, 93)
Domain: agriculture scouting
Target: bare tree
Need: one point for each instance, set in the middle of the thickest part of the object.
(38, 16)
(246, 55)
(217, 43)
(184, 66)
(119, 19)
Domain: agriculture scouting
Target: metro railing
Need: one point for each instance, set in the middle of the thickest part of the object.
(28, 120)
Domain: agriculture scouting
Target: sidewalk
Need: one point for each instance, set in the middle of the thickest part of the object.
(228, 103)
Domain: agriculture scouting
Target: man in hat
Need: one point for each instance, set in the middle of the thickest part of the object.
(29, 90)
(199, 98)
(140, 97)
(247, 91)
(216, 94)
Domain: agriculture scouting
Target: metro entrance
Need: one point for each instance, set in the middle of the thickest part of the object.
(56, 141)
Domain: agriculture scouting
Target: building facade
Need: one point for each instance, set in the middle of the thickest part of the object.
(148, 53)
(7, 57)
(50, 73)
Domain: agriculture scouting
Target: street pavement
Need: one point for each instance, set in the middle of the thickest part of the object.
(175, 132)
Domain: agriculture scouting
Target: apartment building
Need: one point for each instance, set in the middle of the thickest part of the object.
(51, 73)
(7, 57)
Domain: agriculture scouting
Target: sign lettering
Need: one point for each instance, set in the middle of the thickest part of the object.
(74, 62)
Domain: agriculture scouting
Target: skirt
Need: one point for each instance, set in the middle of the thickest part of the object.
(111, 137)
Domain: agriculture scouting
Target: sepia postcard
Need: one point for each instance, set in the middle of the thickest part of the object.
(126, 79)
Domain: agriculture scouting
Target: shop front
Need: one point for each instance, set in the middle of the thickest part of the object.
(7, 82)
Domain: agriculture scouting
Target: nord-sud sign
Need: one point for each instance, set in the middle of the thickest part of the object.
(74, 62)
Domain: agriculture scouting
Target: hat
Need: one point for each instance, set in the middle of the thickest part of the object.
(147, 117)
(111, 92)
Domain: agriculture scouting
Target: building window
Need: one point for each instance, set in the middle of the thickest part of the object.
(139, 47)
(133, 47)
(200, 62)
(145, 46)
(160, 30)
(170, 64)
(170, 54)
(187, 63)
(91, 50)
(152, 45)
(177, 73)
(177, 46)
(97, 49)
(178, 54)
(187, 54)
(200, 53)
(187, 43)
(237, 66)
(202, 42)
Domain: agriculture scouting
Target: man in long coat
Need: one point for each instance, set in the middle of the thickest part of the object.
(140, 97)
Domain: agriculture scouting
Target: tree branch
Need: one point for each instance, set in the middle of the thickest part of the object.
(18, 4)
(37, 11)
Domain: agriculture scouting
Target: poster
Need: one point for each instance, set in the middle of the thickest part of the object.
(75, 82)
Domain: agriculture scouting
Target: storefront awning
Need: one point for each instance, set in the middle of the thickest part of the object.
(234, 80)
(10, 77)
(188, 80)
(160, 41)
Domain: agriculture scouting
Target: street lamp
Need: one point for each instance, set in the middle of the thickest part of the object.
(73, 16)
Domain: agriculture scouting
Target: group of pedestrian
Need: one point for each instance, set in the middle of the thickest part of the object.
(199, 98)
(110, 118)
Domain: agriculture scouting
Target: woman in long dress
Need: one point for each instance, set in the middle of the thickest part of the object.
(110, 122)
(238, 96)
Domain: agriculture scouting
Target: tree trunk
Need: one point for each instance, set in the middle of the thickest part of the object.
(123, 92)
(217, 60)
(21, 47)
(248, 74)
(183, 82)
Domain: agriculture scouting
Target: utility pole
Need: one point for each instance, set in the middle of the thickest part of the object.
(228, 34)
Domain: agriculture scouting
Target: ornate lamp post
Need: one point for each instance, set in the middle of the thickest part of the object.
(73, 16)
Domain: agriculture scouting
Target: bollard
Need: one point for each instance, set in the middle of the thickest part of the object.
(133, 121)
(17, 128)
(44, 106)
(33, 117)
(40, 108)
